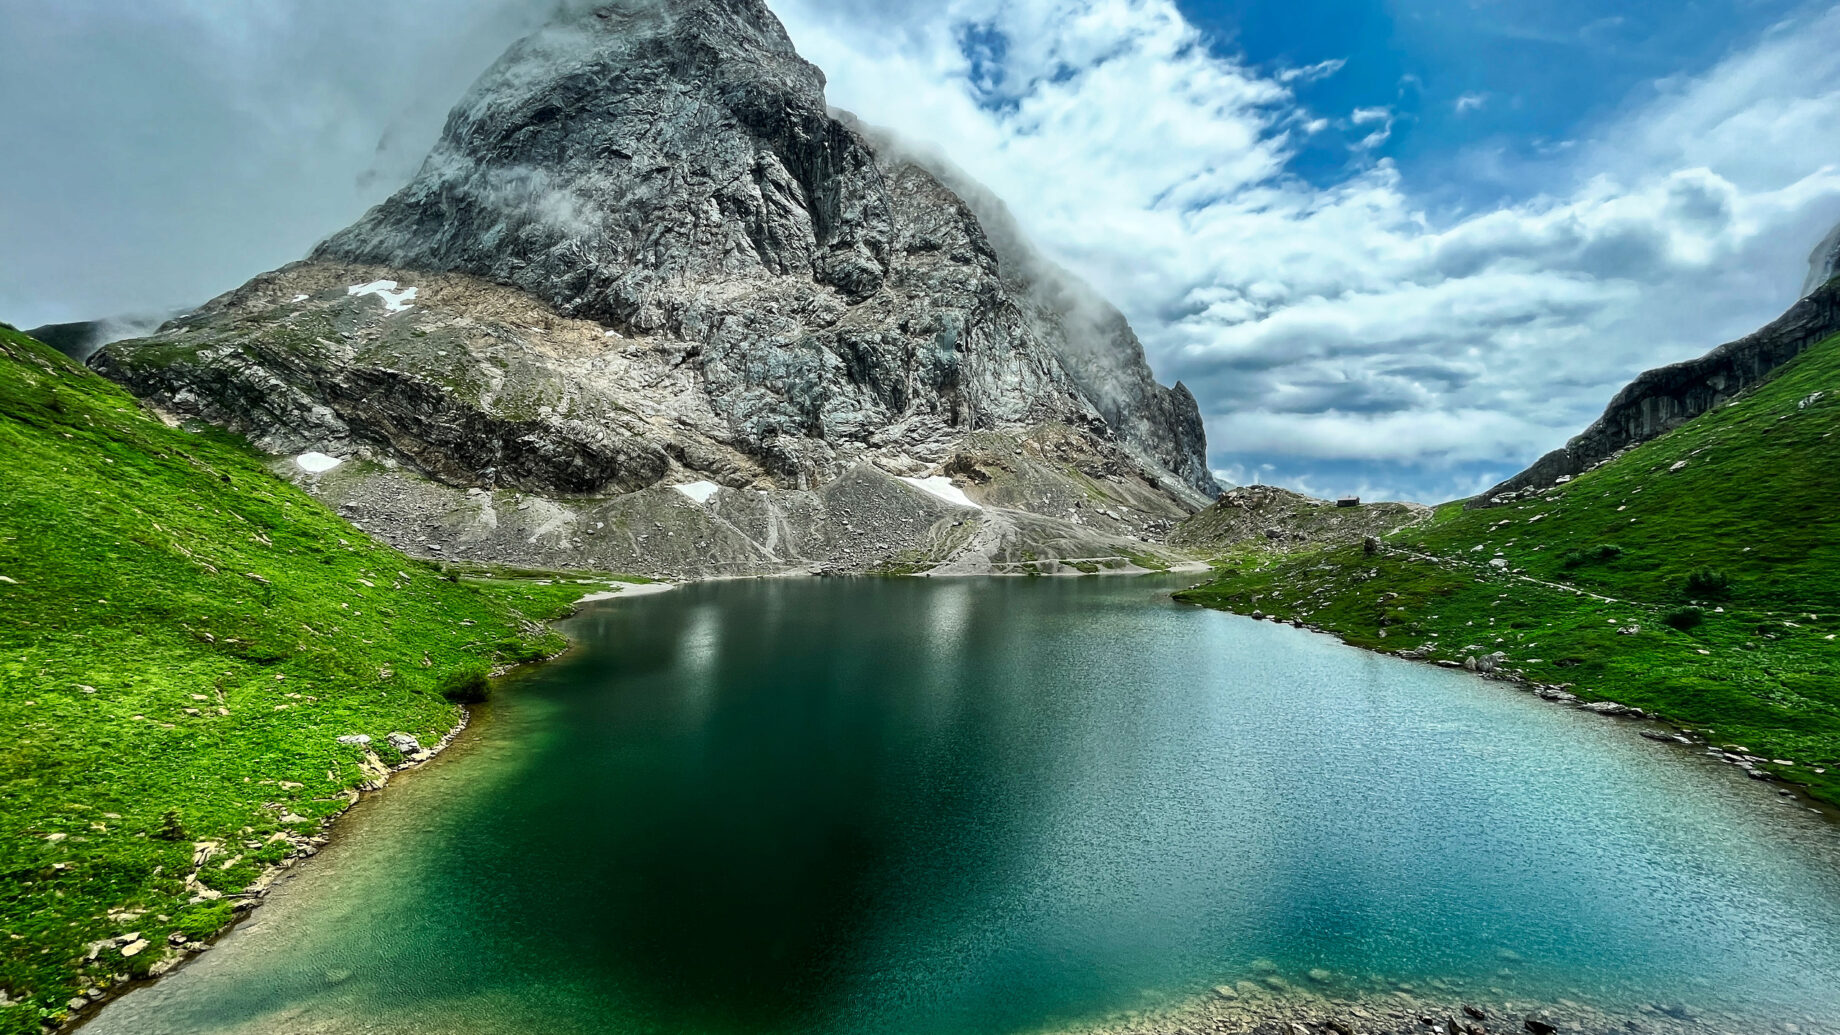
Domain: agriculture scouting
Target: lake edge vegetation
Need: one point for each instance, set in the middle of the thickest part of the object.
(1695, 576)
(184, 639)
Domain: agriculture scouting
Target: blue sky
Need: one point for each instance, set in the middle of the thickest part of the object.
(1397, 248)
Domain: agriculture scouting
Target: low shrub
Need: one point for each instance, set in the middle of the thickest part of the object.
(1708, 583)
(201, 921)
(170, 828)
(1596, 555)
(1684, 618)
(467, 684)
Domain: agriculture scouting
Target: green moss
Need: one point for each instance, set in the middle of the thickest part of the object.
(1731, 510)
(182, 639)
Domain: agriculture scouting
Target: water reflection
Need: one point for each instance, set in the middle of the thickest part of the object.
(852, 806)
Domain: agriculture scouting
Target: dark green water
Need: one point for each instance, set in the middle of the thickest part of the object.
(915, 806)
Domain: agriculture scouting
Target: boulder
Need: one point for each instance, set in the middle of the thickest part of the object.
(356, 740)
(404, 743)
(1605, 708)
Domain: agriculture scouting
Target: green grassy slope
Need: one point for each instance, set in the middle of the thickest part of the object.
(182, 639)
(1744, 494)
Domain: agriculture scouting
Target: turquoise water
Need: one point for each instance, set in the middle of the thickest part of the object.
(938, 806)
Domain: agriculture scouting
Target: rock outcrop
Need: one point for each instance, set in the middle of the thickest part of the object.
(80, 340)
(1823, 262)
(644, 254)
(1269, 519)
(672, 169)
(1662, 399)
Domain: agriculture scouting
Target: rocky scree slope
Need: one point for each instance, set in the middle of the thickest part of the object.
(645, 254)
(1267, 518)
(1667, 397)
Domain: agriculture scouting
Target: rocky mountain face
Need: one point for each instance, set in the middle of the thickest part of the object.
(645, 254)
(1662, 399)
(1268, 519)
(80, 340)
(1823, 262)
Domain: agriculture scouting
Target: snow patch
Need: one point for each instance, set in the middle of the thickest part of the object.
(317, 463)
(698, 491)
(941, 486)
(628, 589)
(393, 300)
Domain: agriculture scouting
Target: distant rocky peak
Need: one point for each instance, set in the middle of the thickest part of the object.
(671, 170)
(1824, 262)
(627, 151)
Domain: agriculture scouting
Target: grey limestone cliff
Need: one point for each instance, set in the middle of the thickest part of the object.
(1659, 400)
(672, 169)
(645, 253)
(1823, 262)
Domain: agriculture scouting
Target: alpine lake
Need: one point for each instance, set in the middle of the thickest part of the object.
(930, 806)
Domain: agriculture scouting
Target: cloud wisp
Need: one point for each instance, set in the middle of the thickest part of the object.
(1354, 335)
(1356, 331)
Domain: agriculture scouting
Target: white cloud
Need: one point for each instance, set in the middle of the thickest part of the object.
(1322, 328)
(1355, 323)
(1312, 73)
(1471, 102)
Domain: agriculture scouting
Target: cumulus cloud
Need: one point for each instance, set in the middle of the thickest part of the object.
(1355, 333)
(1354, 336)
(165, 152)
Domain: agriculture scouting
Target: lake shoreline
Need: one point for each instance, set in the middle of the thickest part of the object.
(303, 847)
(1276, 1007)
(1268, 1006)
(1651, 726)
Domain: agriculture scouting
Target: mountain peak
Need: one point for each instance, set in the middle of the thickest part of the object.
(673, 169)
(646, 254)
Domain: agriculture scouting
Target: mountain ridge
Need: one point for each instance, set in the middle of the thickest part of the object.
(1666, 397)
(592, 191)
(646, 253)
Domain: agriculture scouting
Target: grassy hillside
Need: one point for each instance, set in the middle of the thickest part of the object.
(1720, 541)
(183, 638)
